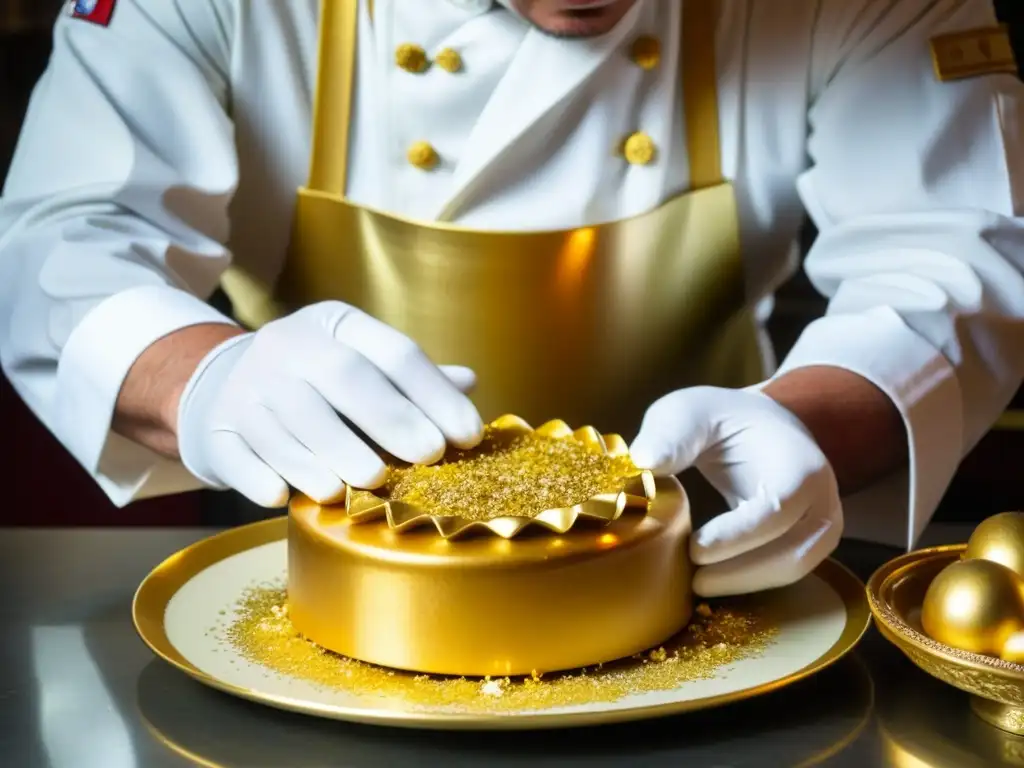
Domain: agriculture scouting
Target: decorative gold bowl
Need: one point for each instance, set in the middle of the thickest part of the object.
(394, 585)
(896, 594)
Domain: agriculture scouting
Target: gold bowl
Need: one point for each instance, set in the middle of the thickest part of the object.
(896, 593)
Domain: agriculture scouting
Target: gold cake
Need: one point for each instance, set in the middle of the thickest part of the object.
(541, 550)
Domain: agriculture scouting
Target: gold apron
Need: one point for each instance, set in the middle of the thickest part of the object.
(588, 325)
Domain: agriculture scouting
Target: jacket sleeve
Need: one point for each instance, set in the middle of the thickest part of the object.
(113, 220)
(916, 187)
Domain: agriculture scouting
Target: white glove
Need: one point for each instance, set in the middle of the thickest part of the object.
(786, 515)
(261, 412)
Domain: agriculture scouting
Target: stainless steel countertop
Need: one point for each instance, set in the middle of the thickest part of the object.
(79, 689)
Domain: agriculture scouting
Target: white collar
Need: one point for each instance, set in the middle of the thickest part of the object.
(484, 5)
(479, 6)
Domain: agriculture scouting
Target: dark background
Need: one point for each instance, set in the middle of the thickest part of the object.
(42, 485)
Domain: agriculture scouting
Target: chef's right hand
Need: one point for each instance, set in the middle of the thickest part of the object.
(261, 412)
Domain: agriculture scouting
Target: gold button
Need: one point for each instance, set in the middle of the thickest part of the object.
(422, 156)
(411, 58)
(646, 52)
(449, 60)
(639, 149)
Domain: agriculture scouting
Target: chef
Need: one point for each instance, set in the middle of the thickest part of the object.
(430, 212)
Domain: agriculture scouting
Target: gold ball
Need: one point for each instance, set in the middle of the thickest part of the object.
(411, 58)
(974, 605)
(1001, 540)
(1013, 649)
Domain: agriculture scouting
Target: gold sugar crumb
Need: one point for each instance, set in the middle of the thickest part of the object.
(491, 688)
(267, 638)
(518, 475)
(704, 610)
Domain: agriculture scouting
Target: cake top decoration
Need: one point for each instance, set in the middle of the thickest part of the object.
(517, 478)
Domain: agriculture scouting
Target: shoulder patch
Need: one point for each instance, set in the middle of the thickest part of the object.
(98, 12)
(972, 53)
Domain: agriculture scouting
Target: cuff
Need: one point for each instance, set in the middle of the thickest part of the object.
(880, 347)
(197, 403)
(93, 365)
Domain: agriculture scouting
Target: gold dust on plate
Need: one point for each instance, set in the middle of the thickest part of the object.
(262, 633)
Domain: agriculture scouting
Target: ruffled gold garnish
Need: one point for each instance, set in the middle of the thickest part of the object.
(517, 478)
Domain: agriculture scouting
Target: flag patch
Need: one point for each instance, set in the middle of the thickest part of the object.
(94, 11)
(972, 53)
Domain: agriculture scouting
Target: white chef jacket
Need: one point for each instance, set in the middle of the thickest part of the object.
(161, 149)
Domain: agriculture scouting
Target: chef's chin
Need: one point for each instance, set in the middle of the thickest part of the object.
(570, 18)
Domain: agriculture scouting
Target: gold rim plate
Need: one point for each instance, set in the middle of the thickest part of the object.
(895, 594)
(160, 586)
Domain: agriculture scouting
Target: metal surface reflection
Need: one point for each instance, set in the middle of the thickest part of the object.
(930, 725)
(93, 684)
(805, 726)
(74, 700)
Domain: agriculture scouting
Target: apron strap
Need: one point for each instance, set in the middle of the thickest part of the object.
(332, 106)
(699, 77)
(335, 86)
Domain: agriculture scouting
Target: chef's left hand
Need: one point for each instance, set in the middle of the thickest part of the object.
(785, 513)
